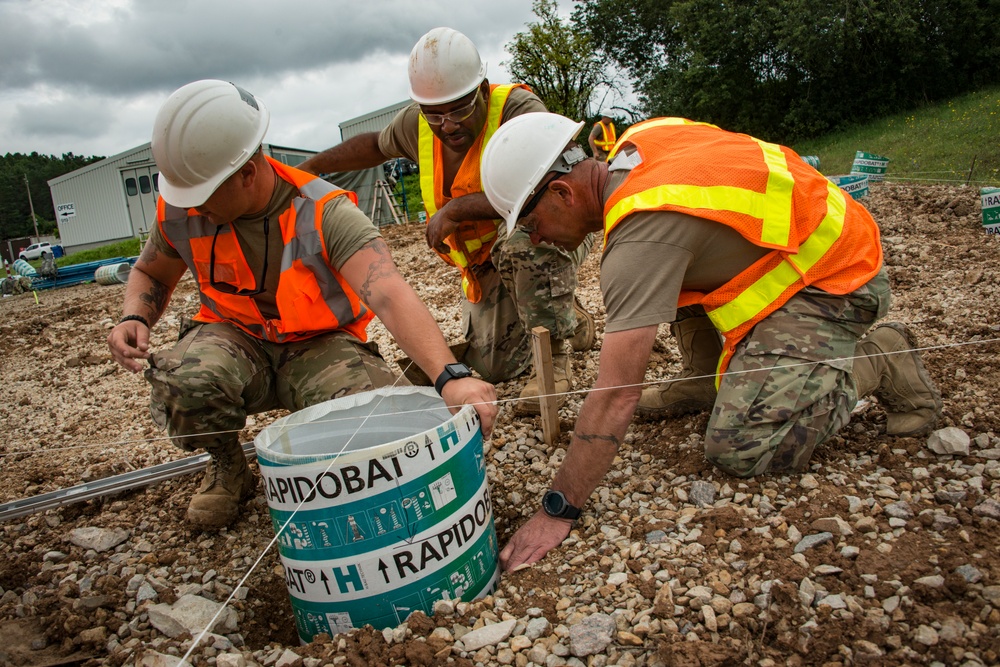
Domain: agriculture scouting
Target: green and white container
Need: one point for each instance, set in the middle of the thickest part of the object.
(112, 274)
(387, 508)
(811, 160)
(855, 185)
(873, 166)
(990, 201)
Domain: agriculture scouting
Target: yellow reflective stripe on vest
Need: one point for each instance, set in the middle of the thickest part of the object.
(758, 296)
(659, 122)
(458, 257)
(778, 198)
(497, 100)
(773, 207)
(425, 161)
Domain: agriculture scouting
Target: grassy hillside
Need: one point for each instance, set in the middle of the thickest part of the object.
(937, 143)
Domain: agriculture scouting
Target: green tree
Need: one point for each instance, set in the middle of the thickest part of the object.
(559, 64)
(787, 69)
(20, 172)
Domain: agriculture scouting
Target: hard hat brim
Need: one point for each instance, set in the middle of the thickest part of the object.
(570, 135)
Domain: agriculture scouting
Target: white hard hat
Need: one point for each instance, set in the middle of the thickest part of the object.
(444, 66)
(520, 153)
(202, 135)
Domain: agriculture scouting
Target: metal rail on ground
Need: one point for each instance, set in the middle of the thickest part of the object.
(109, 485)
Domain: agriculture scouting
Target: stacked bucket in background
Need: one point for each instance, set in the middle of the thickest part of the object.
(867, 167)
(387, 508)
(989, 198)
(870, 165)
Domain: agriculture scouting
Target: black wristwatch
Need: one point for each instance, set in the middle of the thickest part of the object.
(451, 372)
(555, 505)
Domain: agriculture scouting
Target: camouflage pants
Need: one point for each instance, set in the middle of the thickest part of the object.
(204, 387)
(525, 286)
(790, 386)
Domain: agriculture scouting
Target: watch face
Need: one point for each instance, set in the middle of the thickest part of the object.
(458, 370)
(554, 503)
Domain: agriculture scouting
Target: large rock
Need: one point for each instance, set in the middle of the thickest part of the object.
(98, 539)
(591, 635)
(191, 613)
(949, 441)
(489, 635)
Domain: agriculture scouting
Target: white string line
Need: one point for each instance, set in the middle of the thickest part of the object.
(936, 180)
(333, 460)
(284, 526)
(501, 401)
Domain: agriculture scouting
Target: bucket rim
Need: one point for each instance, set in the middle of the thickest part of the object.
(274, 432)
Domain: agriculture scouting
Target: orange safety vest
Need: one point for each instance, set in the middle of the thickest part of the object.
(765, 192)
(312, 298)
(471, 243)
(608, 136)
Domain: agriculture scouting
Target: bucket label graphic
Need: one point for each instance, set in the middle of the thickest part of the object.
(990, 200)
(381, 506)
(855, 185)
(874, 166)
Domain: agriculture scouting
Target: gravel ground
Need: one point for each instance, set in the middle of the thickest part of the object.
(884, 552)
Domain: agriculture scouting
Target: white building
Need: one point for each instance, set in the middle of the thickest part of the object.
(115, 199)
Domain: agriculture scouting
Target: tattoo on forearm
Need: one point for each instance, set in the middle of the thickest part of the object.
(156, 297)
(380, 268)
(594, 437)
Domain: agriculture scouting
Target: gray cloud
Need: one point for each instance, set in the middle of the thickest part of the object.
(88, 75)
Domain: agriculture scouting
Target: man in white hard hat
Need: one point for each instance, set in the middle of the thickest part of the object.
(602, 137)
(509, 286)
(289, 272)
(786, 266)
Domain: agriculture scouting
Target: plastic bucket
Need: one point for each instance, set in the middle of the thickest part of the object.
(22, 268)
(989, 198)
(811, 160)
(873, 166)
(855, 185)
(387, 508)
(112, 274)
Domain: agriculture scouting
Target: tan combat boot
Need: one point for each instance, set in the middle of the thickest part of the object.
(227, 482)
(585, 334)
(889, 367)
(700, 346)
(562, 371)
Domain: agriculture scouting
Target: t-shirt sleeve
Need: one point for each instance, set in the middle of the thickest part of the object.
(160, 243)
(345, 230)
(400, 138)
(519, 102)
(641, 277)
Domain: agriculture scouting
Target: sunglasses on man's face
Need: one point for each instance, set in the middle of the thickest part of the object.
(531, 204)
(227, 288)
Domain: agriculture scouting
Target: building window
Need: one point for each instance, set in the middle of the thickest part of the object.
(144, 185)
(156, 181)
(290, 159)
(130, 187)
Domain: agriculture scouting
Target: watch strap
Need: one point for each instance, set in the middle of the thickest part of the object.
(451, 372)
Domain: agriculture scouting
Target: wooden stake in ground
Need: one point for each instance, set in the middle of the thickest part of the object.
(548, 405)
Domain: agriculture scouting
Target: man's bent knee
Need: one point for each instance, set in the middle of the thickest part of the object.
(738, 462)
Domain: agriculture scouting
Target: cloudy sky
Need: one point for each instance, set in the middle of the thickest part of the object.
(87, 76)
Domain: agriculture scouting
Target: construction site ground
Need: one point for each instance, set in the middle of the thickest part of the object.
(910, 576)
